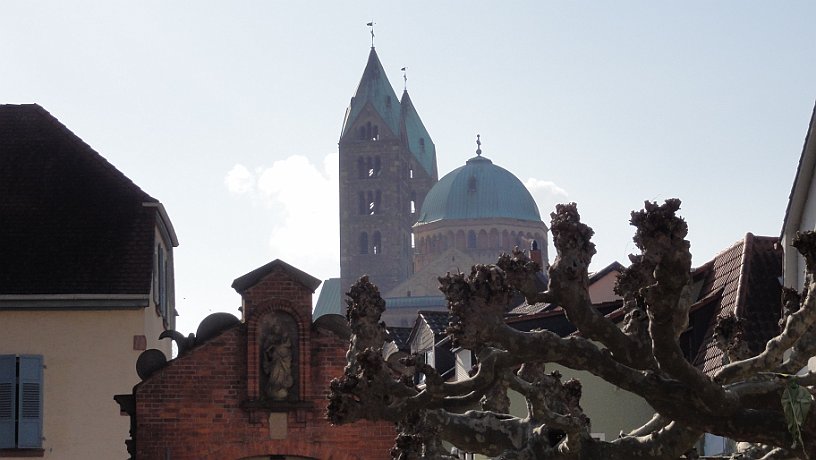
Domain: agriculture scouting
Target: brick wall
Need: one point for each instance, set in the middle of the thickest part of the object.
(200, 406)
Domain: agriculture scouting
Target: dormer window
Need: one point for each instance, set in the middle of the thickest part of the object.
(422, 143)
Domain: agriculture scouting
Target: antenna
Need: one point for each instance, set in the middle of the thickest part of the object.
(371, 24)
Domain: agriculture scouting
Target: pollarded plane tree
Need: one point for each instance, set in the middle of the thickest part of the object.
(758, 400)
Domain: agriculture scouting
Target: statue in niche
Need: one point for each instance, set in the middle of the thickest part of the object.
(276, 361)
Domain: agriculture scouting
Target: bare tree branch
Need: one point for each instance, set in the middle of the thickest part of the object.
(643, 356)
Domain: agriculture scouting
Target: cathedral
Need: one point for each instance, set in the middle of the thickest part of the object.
(403, 226)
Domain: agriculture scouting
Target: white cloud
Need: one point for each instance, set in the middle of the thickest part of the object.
(546, 194)
(239, 180)
(544, 186)
(304, 198)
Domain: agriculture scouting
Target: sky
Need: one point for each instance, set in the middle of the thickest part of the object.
(229, 113)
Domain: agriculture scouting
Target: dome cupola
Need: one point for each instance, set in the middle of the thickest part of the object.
(478, 190)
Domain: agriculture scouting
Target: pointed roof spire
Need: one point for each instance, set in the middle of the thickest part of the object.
(375, 89)
(416, 136)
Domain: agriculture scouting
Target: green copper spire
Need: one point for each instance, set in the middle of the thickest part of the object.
(376, 90)
(416, 136)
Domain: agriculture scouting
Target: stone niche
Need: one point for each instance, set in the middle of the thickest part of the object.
(278, 358)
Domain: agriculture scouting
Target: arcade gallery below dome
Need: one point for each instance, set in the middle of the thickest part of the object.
(472, 215)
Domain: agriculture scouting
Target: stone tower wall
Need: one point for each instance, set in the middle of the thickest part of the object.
(398, 181)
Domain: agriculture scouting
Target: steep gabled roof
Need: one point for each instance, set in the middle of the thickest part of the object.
(743, 280)
(71, 222)
(375, 89)
(428, 329)
(252, 278)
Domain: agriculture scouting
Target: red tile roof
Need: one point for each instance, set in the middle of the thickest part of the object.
(71, 222)
(743, 280)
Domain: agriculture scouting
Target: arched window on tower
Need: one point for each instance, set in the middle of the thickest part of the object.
(377, 166)
(362, 135)
(363, 243)
(413, 203)
(361, 169)
(372, 205)
(369, 167)
(373, 167)
(376, 243)
(375, 133)
(361, 203)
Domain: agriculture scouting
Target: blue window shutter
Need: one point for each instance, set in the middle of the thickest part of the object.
(8, 380)
(29, 408)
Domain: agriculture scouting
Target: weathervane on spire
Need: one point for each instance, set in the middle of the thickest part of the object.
(478, 145)
(405, 78)
(371, 24)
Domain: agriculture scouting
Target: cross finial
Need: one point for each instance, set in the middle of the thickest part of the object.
(371, 25)
(405, 78)
(478, 145)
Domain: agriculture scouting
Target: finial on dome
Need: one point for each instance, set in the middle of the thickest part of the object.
(478, 145)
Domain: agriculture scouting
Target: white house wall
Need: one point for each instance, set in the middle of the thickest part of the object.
(88, 358)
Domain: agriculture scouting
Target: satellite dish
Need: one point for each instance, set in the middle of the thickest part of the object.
(213, 325)
(149, 362)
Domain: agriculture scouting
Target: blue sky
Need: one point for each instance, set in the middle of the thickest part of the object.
(230, 112)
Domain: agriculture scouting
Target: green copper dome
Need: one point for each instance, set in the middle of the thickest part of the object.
(479, 190)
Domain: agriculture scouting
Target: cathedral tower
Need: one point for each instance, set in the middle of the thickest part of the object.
(387, 166)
